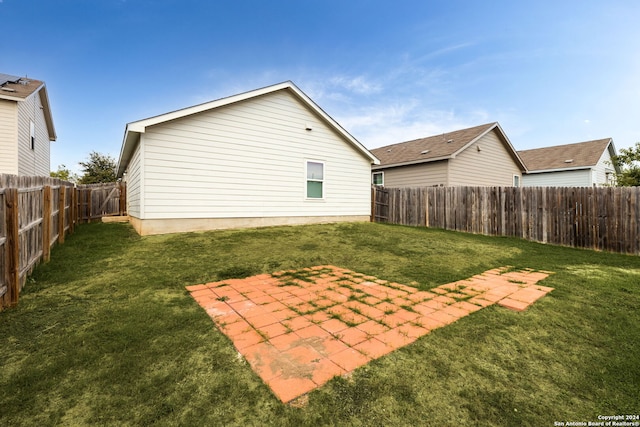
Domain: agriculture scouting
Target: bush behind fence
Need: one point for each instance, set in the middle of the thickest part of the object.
(602, 218)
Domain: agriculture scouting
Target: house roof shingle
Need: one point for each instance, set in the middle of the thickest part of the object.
(17, 88)
(437, 147)
(569, 156)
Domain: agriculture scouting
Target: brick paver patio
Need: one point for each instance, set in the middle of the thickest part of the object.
(298, 329)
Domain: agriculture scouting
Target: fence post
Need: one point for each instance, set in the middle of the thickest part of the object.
(61, 200)
(426, 206)
(89, 207)
(70, 191)
(373, 203)
(12, 260)
(123, 198)
(46, 223)
(74, 208)
(81, 205)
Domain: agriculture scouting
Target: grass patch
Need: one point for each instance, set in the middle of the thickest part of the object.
(106, 333)
(408, 308)
(301, 275)
(289, 283)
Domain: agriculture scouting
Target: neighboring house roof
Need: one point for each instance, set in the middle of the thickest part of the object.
(439, 147)
(581, 155)
(14, 88)
(134, 129)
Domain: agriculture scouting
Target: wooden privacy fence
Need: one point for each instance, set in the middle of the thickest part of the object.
(602, 218)
(98, 200)
(36, 213)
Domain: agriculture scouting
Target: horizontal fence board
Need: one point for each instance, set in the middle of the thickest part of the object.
(602, 218)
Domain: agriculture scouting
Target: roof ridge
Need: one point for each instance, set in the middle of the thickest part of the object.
(568, 145)
(436, 135)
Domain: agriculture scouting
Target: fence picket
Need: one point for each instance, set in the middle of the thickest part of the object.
(37, 212)
(602, 218)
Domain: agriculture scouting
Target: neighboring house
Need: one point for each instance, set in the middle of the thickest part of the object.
(26, 126)
(477, 156)
(584, 164)
(266, 157)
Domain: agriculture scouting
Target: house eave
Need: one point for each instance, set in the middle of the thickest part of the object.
(11, 98)
(612, 153)
(44, 99)
(412, 162)
(531, 172)
(140, 126)
(129, 143)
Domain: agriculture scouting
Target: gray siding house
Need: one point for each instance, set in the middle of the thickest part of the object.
(584, 164)
(477, 156)
(26, 126)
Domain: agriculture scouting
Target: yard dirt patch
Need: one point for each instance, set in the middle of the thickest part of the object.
(300, 328)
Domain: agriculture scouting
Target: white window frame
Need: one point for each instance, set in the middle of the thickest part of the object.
(517, 181)
(322, 181)
(32, 135)
(373, 181)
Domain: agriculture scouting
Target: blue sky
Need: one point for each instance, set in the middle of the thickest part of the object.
(551, 72)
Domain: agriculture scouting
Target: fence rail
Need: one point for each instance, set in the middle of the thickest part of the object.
(38, 212)
(604, 218)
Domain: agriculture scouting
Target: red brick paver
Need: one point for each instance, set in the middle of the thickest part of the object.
(298, 329)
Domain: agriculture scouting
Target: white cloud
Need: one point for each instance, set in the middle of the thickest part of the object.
(401, 104)
(389, 124)
(443, 51)
(359, 84)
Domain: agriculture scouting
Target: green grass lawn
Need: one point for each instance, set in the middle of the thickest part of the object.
(106, 334)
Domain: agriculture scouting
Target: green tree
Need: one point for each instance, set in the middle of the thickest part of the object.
(629, 162)
(64, 174)
(99, 168)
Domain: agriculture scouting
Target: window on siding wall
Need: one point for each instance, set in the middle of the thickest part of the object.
(32, 135)
(315, 180)
(378, 178)
(516, 181)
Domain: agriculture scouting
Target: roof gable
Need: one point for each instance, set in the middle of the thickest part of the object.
(581, 155)
(134, 129)
(14, 88)
(440, 147)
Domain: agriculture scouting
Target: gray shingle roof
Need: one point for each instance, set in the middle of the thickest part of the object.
(569, 156)
(430, 148)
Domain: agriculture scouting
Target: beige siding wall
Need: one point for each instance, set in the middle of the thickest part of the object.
(491, 166)
(577, 178)
(32, 162)
(133, 179)
(8, 137)
(421, 175)
(247, 160)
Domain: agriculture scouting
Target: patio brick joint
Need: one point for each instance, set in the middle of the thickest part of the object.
(297, 329)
